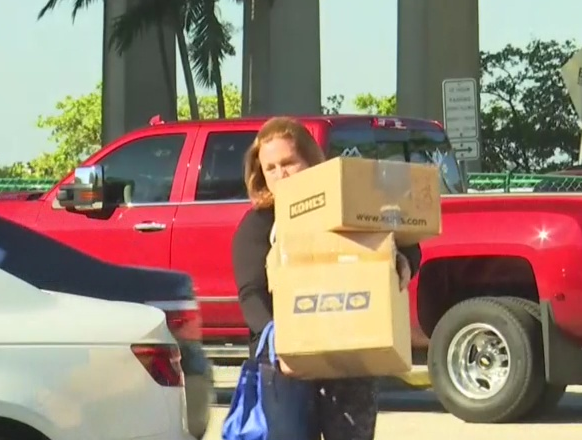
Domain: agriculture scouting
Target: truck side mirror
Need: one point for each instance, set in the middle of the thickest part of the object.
(86, 193)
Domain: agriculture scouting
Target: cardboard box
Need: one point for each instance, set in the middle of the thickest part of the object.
(338, 308)
(355, 194)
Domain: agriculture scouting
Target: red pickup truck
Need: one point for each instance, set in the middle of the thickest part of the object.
(499, 293)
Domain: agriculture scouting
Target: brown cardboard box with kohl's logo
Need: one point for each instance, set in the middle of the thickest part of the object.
(355, 194)
(338, 309)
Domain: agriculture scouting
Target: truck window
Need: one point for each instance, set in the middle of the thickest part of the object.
(221, 175)
(147, 165)
(403, 144)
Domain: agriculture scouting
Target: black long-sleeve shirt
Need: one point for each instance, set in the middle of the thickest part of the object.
(251, 244)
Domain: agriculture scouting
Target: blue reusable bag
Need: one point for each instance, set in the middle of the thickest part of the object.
(245, 419)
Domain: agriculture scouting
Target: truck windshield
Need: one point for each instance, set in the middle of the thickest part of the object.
(426, 145)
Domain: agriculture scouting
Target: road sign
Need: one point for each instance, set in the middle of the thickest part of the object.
(461, 116)
(466, 150)
(572, 76)
(460, 112)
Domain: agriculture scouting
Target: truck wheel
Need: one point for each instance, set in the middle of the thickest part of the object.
(551, 394)
(484, 361)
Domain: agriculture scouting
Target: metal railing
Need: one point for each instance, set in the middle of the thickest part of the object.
(508, 182)
(478, 183)
(15, 185)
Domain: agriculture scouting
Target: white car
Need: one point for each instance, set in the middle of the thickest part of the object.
(75, 368)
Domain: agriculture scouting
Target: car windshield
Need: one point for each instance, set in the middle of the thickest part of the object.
(426, 145)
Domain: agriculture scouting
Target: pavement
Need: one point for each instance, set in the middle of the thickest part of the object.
(408, 414)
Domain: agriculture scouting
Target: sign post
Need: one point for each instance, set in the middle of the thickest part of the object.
(461, 116)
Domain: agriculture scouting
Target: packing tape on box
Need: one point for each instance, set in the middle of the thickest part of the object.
(393, 178)
(330, 257)
(297, 249)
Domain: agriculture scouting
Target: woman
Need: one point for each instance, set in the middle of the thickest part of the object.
(294, 409)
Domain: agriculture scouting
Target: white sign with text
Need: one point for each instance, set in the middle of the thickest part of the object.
(461, 116)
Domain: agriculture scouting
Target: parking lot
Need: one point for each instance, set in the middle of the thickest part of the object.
(417, 414)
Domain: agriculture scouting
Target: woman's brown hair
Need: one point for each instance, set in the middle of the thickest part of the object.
(277, 128)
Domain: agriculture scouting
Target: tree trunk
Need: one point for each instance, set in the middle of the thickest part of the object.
(188, 77)
(219, 93)
(167, 69)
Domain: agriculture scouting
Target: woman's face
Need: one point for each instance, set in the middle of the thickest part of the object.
(279, 159)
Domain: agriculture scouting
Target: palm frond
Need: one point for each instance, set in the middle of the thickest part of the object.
(140, 16)
(77, 6)
(189, 14)
(50, 5)
(210, 41)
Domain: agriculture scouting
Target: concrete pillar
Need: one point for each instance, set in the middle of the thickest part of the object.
(142, 82)
(255, 74)
(411, 59)
(281, 57)
(437, 39)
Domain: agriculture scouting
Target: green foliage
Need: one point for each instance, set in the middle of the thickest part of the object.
(376, 105)
(75, 129)
(333, 105)
(527, 117)
(208, 105)
(365, 102)
(17, 169)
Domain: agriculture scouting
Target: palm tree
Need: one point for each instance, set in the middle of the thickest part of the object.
(209, 45)
(184, 16)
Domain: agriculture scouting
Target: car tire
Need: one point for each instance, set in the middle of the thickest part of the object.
(484, 361)
(551, 394)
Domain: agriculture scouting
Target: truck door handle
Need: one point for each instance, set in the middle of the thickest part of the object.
(149, 227)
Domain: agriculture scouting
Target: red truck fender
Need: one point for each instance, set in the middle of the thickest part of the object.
(517, 258)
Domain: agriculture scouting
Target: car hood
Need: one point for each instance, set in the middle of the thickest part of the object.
(31, 316)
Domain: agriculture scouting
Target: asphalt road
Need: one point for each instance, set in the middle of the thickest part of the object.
(417, 414)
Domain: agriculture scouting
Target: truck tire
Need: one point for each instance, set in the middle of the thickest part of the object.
(484, 361)
(551, 394)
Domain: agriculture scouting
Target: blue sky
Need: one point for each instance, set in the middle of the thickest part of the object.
(43, 61)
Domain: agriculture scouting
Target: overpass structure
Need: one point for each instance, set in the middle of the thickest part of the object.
(437, 39)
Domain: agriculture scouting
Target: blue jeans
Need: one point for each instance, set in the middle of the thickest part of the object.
(289, 406)
(303, 410)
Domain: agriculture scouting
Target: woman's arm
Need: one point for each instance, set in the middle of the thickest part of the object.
(413, 254)
(250, 247)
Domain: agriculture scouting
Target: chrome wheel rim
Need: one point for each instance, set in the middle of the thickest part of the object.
(479, 361)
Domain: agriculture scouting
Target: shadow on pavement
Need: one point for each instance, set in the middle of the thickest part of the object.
(223, 396)
(568, 412)
(415, 401)
(409, 401)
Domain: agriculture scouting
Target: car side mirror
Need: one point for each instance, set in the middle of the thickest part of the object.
(86, 193)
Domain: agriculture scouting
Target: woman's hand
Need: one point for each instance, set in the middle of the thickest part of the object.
(285, 368)
(404, 270)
